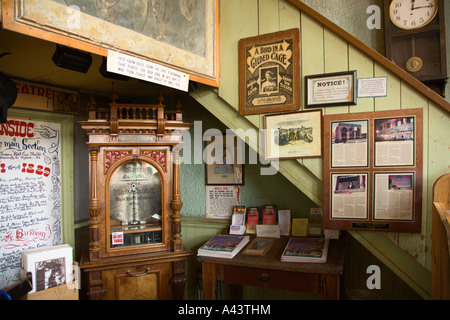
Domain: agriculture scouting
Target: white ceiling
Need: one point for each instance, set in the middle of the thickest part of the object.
(31, 60)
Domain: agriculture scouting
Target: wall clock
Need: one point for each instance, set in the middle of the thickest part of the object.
(412, 14)
(415, 39)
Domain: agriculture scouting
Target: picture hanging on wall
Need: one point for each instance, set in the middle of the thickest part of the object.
(158, 31)
(331, 89)
(224, 164)
(269, 71)
(293, 135)
(373, 177)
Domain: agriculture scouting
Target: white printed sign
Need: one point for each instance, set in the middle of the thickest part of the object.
(145, 70)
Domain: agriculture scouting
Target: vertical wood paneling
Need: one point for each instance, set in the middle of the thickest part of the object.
(364, 67)
(335, 60)
(289, 16)
(268, 16)
(312, 46)
(238, 19)
(392, 100)
(438, 157)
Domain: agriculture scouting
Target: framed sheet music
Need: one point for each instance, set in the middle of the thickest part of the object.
(373, 166)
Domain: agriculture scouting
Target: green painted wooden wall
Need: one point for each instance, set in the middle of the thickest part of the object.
(324, 51)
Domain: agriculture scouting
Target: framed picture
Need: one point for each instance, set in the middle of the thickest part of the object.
(179, 34)
(259, 246)
(293, 135)
(373, 171)
(269, 71)
(224, 163)
(331, 89)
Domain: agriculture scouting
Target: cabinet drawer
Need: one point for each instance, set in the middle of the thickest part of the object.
(273, 279)
(142, 282)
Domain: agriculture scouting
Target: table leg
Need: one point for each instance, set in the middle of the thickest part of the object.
(330, 287)
(209, 280)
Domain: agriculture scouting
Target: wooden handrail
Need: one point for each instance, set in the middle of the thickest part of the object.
(375, 55)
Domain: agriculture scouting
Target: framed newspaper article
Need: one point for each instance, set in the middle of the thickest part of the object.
(373, 166)
(269, 73)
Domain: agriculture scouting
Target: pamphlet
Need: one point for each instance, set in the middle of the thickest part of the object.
(269, 213)
(252, 219)
(300, 227)
(284, 220)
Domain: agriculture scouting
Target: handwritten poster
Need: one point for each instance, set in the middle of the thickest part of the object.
(30, 191)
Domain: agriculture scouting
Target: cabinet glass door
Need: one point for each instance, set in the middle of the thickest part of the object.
(135, 205)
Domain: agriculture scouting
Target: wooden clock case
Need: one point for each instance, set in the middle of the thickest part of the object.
(134, 260)
(419, 51)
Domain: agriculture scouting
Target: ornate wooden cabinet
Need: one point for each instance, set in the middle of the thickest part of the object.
(135, 246)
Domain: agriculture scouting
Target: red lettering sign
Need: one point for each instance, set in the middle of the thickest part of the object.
(16, 128)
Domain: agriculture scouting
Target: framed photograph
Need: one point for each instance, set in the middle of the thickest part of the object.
(179, 34)
(293, 135)
(224, 163)
(259, 246)
(269, 71)
(331, 89)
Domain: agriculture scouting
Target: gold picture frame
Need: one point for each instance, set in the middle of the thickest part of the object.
(293, 135)
(182, 35)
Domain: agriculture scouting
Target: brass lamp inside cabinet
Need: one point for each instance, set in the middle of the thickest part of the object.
(135, 247)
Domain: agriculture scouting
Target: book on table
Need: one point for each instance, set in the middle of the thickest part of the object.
(223, 246)
(313, 250)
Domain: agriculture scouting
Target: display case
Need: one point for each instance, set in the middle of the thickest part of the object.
(135, 246)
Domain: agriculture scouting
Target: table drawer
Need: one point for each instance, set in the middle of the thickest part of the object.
(273, 279)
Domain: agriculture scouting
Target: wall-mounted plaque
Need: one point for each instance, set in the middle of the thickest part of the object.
(331, 89)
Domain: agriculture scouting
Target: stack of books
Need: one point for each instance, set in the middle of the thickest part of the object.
(223, 246)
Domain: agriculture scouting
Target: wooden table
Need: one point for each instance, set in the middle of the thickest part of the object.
(268, 271)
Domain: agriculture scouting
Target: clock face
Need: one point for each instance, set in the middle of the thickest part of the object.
(412, 14)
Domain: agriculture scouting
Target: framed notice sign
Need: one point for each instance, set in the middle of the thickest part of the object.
(331, 89)
(269, 69)
(373, 171)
